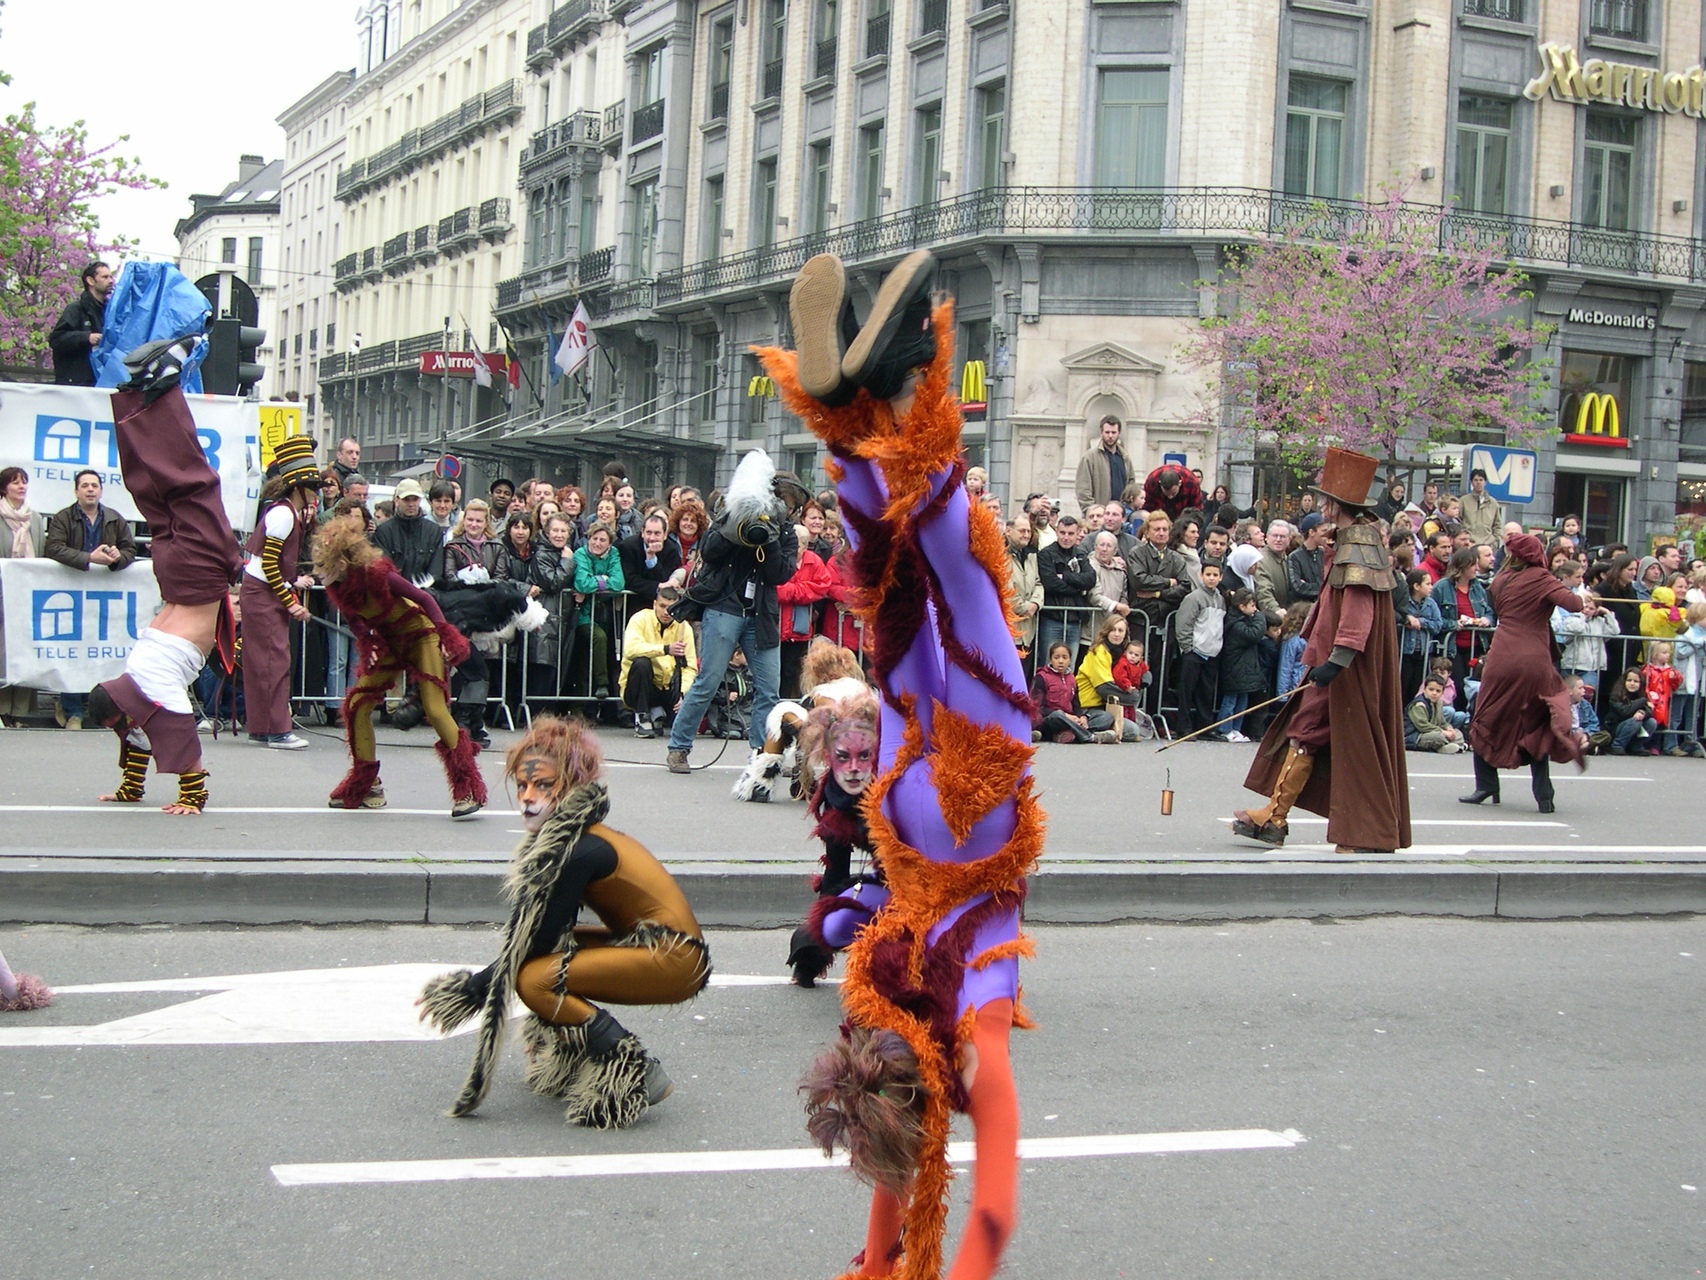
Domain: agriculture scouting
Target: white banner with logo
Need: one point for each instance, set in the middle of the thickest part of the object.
(55, 432)
(69, 629)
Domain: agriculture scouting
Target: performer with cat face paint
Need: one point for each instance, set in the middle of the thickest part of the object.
(646, 949)
(838, 749)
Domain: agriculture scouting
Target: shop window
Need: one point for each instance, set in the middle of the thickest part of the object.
(1314, 136)
(1608, 178)
(1483, 153)
(1594, 399)
(1599, 500)
(1131, 129)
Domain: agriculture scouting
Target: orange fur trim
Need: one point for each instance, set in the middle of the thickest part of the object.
(989, 548)
(844, 428)
(1021, 947)
(1022, 1015)
(975, 768)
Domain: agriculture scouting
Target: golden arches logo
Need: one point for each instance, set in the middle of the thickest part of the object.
(1597, 415)
(974, 385)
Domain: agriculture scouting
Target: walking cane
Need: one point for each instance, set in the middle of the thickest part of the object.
(1246, 711)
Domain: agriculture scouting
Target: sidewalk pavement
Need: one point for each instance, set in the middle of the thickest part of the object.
(268, 851)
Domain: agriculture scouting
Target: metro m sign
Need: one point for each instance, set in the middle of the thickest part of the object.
(1510, 472)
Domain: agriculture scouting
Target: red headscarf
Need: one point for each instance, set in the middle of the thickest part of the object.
(1526, 548)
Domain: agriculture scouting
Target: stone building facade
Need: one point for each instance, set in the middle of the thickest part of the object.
(240, 225)
(311, 235)
(1081, 168)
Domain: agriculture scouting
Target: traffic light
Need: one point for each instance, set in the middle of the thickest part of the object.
(230, 368)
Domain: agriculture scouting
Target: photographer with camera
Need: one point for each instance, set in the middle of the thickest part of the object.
(743, 558)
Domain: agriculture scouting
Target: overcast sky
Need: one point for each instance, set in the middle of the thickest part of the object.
(194, 86)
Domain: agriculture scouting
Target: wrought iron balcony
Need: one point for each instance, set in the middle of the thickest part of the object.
(1180, 216)
(494, 219)
(772, 87)
(538, 49)
(394, 254)
(1504, 10)
(647, 122)
(823, 59)
(332, 365)
(932, 17)
(877, 36)
(409, 350)
(577, 17)
(457, 231)
(612, 127)
(588, 272)
(424, 245)
(416, 146)
(579, 131)
(720, 101)
(372, 268)
(346, 272)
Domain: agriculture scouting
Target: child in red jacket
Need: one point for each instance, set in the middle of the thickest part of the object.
(1131, 672)
(1662, 680)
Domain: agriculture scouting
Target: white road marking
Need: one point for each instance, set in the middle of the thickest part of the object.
(1561, 777)
(374, 1003)
(1436, 822)
(656, 1162)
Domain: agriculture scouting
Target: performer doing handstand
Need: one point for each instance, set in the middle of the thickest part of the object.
(195, 556)
(932, 982)
(648, 949)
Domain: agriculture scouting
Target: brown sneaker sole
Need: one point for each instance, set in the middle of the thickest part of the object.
(814, 309)
(885, 314)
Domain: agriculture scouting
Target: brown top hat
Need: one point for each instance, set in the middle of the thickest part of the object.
(1347, 477)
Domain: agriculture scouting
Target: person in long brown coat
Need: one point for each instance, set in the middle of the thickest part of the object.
(1522, 714)
(1350, 711)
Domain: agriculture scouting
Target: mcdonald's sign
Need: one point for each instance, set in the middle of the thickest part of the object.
(974, 388)
(1596, 422)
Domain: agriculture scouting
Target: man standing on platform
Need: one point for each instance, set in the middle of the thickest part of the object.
(1104, 468)
(1350, 709)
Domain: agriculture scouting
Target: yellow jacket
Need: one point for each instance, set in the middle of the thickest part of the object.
(644, 638)
(1096, 670)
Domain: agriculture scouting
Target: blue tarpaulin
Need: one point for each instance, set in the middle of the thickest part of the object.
(151, 301)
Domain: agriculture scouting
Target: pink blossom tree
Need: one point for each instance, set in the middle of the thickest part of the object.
(49, 177)
(1359, 330)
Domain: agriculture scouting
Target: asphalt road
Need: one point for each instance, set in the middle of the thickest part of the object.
(1469, 1099)
(1103, 804)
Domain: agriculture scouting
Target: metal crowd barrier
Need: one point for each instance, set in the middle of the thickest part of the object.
(1158, 648)
(514, 694)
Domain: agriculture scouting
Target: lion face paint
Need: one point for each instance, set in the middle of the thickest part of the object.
(853, 758)
(537, 781)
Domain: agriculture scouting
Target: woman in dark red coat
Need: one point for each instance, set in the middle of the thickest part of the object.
(1522, 714)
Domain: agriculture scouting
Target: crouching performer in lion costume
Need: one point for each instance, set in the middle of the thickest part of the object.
(932, 984)
(647, 948)
(828, 674)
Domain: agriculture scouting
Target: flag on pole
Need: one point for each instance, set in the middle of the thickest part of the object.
(482, 370)
(551, 369)
(577, 341)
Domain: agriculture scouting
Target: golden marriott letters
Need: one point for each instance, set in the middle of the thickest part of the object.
(1618, 83)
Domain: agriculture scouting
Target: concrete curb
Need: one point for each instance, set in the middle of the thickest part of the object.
(728, 895)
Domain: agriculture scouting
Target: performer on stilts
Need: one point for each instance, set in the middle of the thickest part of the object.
(838, 747)
(1337, 748)
(195, 558)
(648, 948)
(932, 985)
(399, 629)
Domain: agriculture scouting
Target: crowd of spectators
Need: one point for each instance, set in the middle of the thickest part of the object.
(1152, 606)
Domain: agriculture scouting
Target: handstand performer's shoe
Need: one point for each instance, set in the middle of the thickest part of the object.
(897, 336)
(821, 313)
(155, 367)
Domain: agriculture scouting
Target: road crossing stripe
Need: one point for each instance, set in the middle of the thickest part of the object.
(659, 1162)
(1562, 777)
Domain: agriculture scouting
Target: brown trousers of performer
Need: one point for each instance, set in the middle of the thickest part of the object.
(616, 975)
(368, 693)
(266, 658)
(166, 474)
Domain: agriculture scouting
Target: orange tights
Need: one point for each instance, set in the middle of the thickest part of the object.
(994, 1111)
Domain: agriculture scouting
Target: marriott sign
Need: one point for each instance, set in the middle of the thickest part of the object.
(1619, 83)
